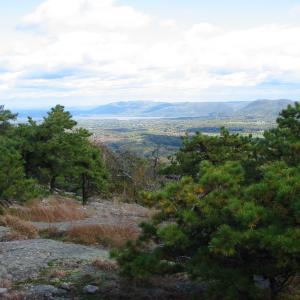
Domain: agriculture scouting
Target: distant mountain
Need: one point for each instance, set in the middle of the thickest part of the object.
(259, 109)
(130, 108)
(249, 109)
(263, 108)
(190, 109)
(164, 109)
(34, 113)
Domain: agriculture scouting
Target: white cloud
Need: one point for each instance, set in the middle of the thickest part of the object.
(68, 15)
(295, 11)
(168, 23)
(90, 50)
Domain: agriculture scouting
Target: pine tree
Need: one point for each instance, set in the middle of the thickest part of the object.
(217, 150)
(236, 232)
(6, 116)
(59, 155)
(13, 183)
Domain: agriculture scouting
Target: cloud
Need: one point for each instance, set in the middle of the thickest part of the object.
(295, 11)
(88, 51)
(69, 15)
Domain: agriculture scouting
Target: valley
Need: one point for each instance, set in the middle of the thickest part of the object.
(145, 127)
(143, 136)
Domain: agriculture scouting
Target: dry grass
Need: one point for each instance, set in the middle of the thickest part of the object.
(105, 265)
(51, 233)
(5, 284)
(136, 210)
(54, 209)
(293, 290)
(21, 229)
(58, 274)
(15, 296)
(107, 235)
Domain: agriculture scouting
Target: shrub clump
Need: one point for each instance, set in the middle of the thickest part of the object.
(20, 229)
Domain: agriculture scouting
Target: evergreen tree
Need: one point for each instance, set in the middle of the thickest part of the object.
(217, 150)
(236, 232)
(55, 153)
(60, 155)
(13, 183)
(54, 148)
(283, 142)
(28, 139)
(90, 172)
(6, 116)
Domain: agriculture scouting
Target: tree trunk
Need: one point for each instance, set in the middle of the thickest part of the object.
(273, 290)
(84, 191)
(52, 183)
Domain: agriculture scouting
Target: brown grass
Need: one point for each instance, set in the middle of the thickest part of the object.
(5, 284)
(105, 265)
(15, 296)
(293, 290)
(58, 274)
(21, 229)
(107, 235)
(54, 209)
(51, 233)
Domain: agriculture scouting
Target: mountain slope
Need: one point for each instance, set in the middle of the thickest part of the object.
(263, 108)
(130, 108)
(190, 109)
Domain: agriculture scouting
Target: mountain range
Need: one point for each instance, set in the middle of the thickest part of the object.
(148, 109)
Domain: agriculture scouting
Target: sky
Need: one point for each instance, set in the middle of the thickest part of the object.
(91, 52)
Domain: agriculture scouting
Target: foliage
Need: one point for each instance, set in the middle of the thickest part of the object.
(130, 173)
(5, 119)
(13, 183)
(283, 142)
(54, 153)
(217, 150)
(236, 231)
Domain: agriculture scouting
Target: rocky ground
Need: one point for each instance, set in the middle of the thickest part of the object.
(51, 269)
(22, 260)
(103, 212)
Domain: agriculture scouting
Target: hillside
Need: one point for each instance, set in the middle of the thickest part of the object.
(263, 108)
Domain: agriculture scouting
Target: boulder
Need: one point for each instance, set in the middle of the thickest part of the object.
(90, 289)
(3, 291)
(44, 290)
(66, 286)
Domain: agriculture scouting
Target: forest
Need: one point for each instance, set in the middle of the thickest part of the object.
(226, 207)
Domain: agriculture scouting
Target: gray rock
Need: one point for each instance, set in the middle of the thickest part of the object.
(24, 259)
(43, 291)
(261, 282)
(66, 286)
(90, 289)
(60, 292)
(3, 291)
(3, 232)
(103, 212)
